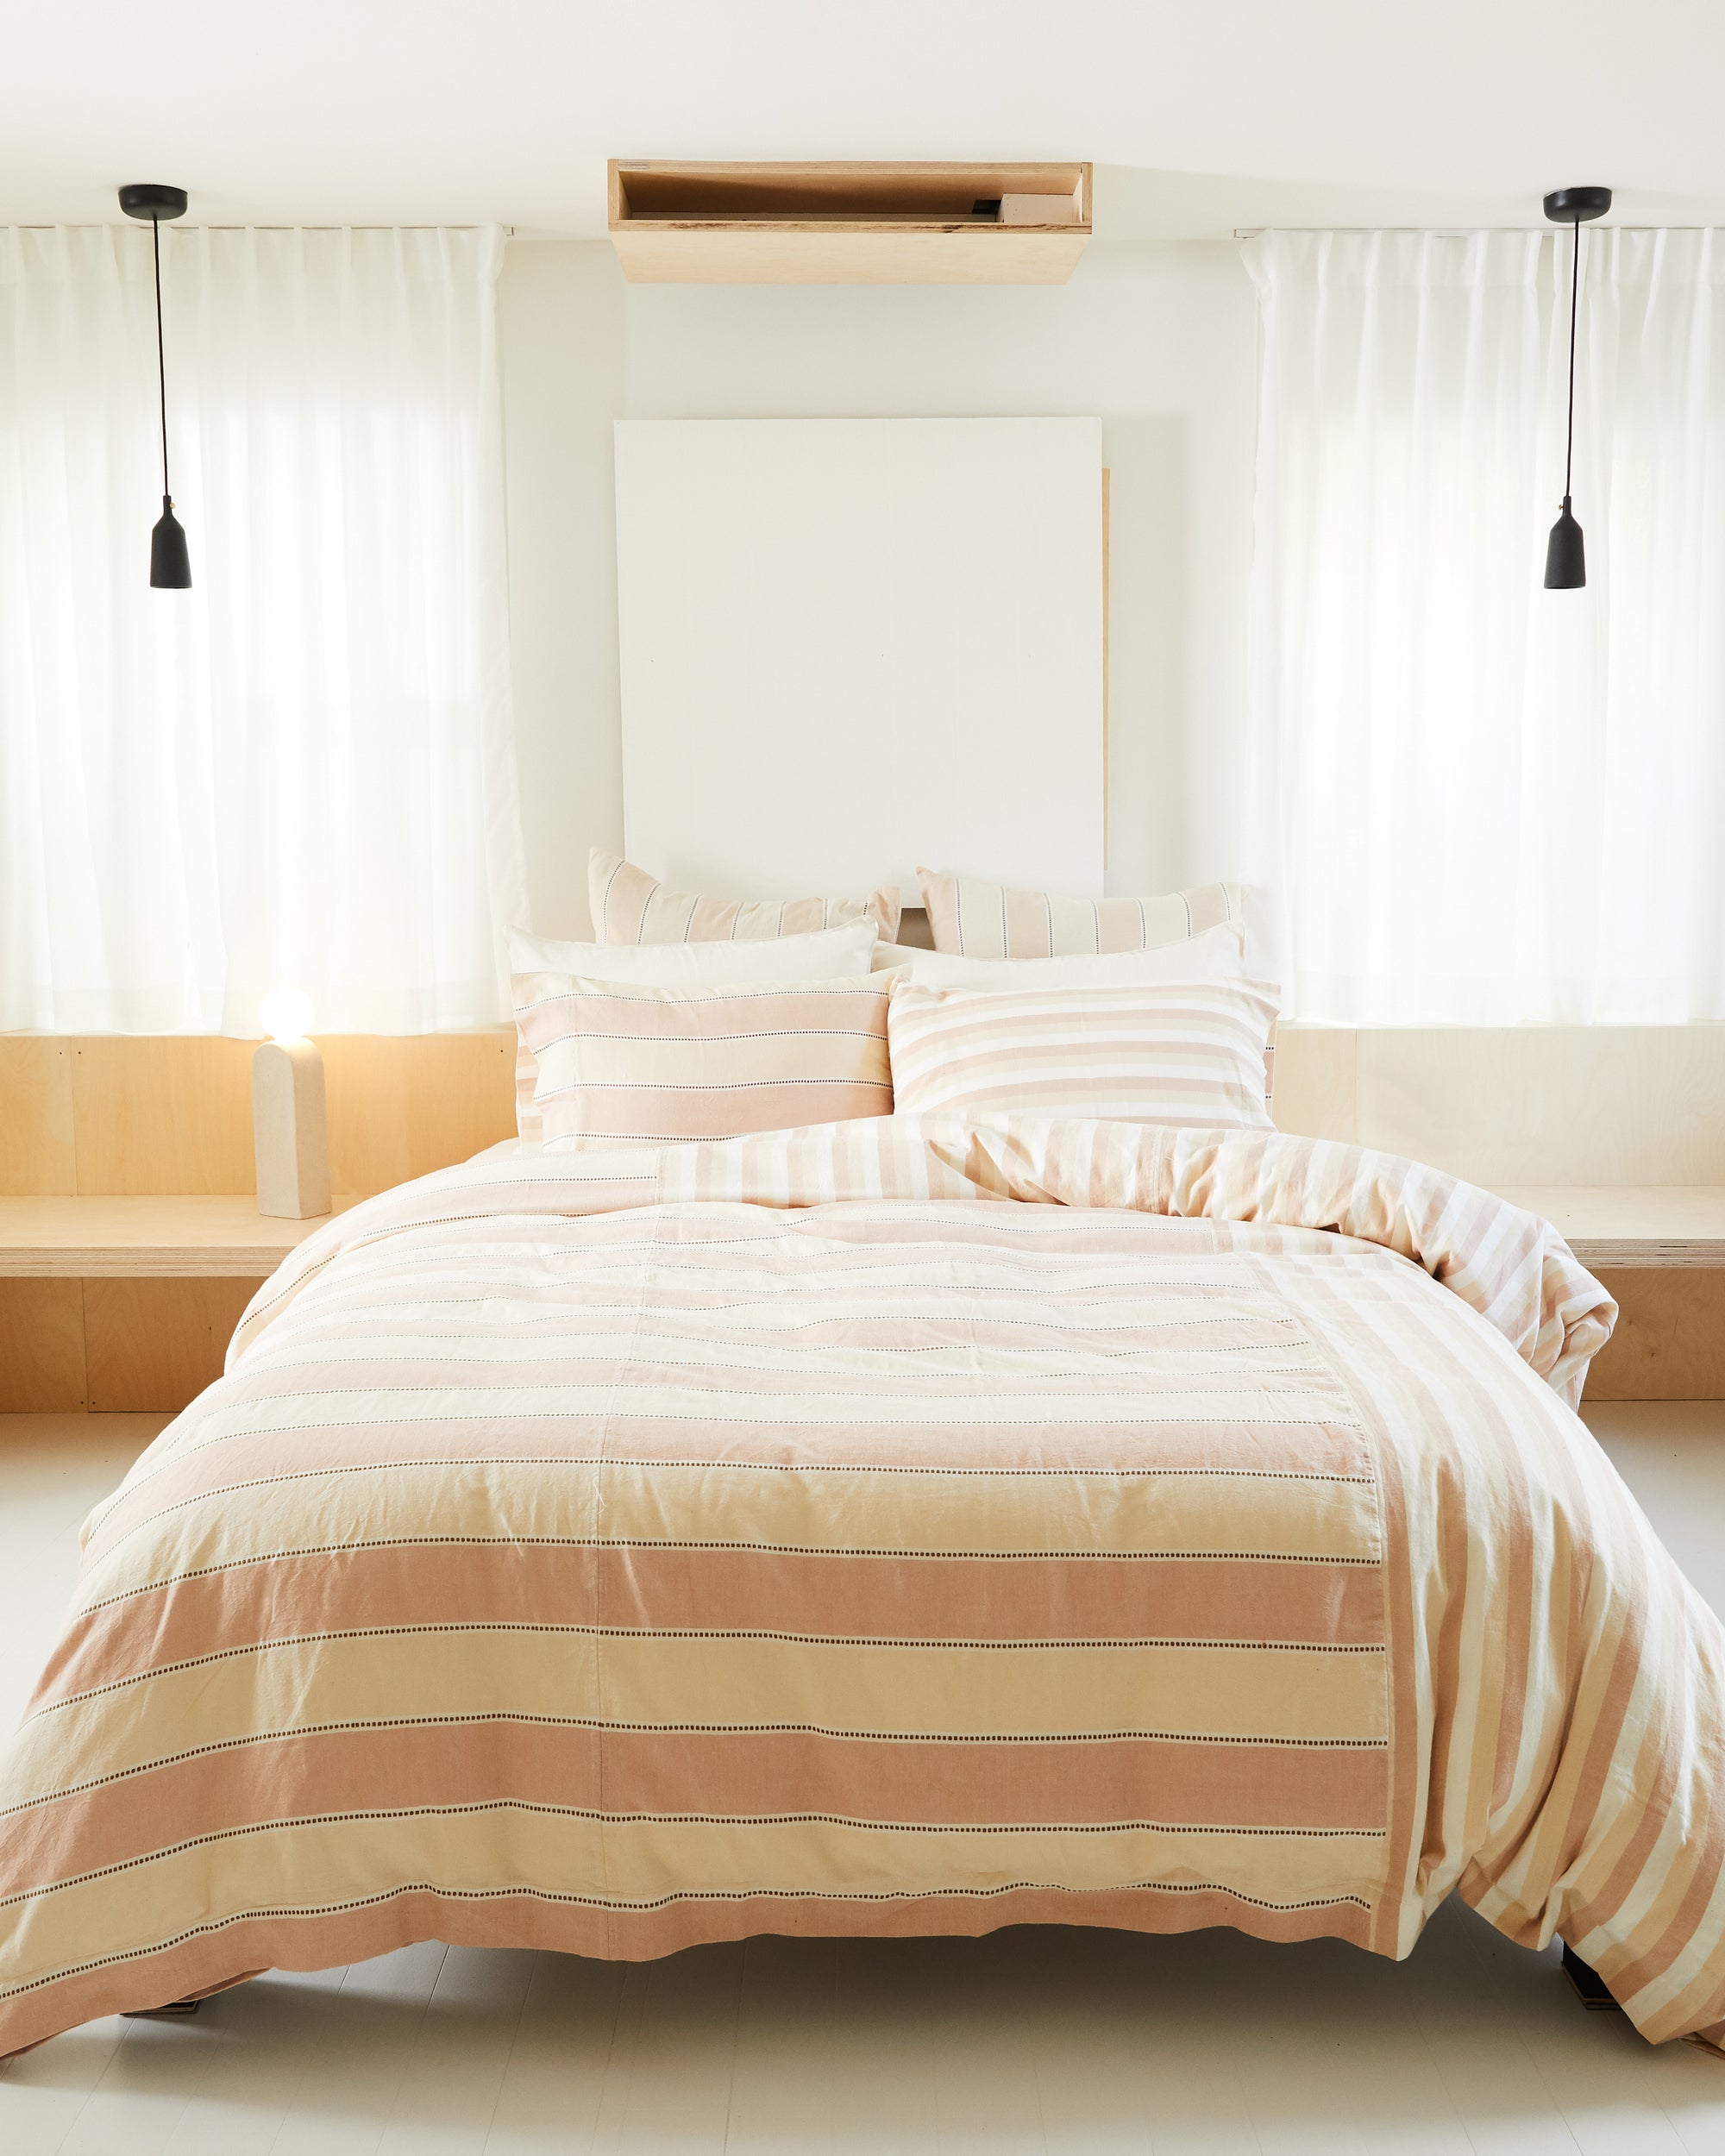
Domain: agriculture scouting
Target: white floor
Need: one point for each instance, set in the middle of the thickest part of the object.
(1031, 2040)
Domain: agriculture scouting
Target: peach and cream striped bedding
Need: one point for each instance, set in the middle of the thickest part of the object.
(630, 906)
(1193, 1054)
(622, 1060)
(904, 1526)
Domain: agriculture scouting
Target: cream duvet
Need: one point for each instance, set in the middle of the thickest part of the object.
(898, 1526)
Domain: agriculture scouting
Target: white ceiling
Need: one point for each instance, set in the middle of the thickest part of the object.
(1206, 115)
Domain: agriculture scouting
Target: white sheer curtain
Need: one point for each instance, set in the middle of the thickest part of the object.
(301, 771)
(1481, 801)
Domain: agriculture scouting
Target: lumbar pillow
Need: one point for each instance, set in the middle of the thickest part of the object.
(970, 918)
(630, 906)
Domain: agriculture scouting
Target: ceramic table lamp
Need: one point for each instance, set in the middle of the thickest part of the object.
(289, 1127)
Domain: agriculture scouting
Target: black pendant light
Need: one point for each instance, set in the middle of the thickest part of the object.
(170, 562)
(1566, 557)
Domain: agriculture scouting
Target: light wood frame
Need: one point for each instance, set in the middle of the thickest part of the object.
(843, 223)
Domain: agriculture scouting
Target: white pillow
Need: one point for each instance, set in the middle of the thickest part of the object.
(828, 954)
(825, 954)
(1214, 954)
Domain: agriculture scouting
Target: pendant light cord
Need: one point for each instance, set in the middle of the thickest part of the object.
(1569, 445)
(161, 364)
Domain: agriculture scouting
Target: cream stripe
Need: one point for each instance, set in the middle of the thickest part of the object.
(722, 1681)
(811, 1505)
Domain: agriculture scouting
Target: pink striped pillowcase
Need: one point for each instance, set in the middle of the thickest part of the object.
(622, 1061)
(1190, 1054)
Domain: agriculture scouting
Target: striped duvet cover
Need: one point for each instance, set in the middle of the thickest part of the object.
(898, 1526)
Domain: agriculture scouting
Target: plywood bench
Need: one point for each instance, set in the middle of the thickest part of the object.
(128, 1303)
(227, 1238)
(1660, 1250)
(129, 1237)
(1612, 1224)
(145, 1238)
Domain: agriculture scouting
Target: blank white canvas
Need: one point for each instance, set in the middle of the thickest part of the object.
(849, 646)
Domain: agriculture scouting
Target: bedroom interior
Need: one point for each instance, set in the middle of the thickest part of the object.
(861, 1081)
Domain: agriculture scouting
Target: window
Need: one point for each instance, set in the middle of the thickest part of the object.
(1479, 801)
(301, 771)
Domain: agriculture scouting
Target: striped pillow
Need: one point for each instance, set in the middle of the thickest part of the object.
(819, 957)
(630, 906)
(969, 918)
(1190, 1053)
(623, 1061)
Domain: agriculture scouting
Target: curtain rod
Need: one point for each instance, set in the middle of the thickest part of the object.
(187, 225)
(1451, 232)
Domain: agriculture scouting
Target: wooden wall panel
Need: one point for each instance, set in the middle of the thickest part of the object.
(37, 1156)
(169, 1114)
(156, 1344)
(162, 1114)
(1557, 1104)
(1670, 1340)
(1508, 1105)
(41, 1347)
(1315, 1080)
(400, 1106)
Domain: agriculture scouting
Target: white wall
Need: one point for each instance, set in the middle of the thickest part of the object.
(1160, 340)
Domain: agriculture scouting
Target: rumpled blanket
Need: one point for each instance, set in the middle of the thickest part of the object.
(890, 1528)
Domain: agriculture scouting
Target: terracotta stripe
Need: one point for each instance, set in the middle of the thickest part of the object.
(709, 1775)
(506, 1582)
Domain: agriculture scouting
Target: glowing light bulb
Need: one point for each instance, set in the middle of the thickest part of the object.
(285, 1014)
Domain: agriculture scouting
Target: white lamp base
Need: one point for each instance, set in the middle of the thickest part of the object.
(290, 1131)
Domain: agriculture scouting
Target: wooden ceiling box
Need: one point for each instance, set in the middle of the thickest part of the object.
(849, 224)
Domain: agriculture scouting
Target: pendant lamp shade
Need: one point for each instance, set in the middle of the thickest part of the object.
(170, 558)
(1566, 554)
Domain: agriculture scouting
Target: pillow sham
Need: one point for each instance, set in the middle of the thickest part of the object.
(1188, 1054)
(822, 956)
(970, 918)
(630, 906)
(623, 1061)
(1214, 954)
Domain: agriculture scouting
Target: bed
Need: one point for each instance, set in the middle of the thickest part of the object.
(905, 1525)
